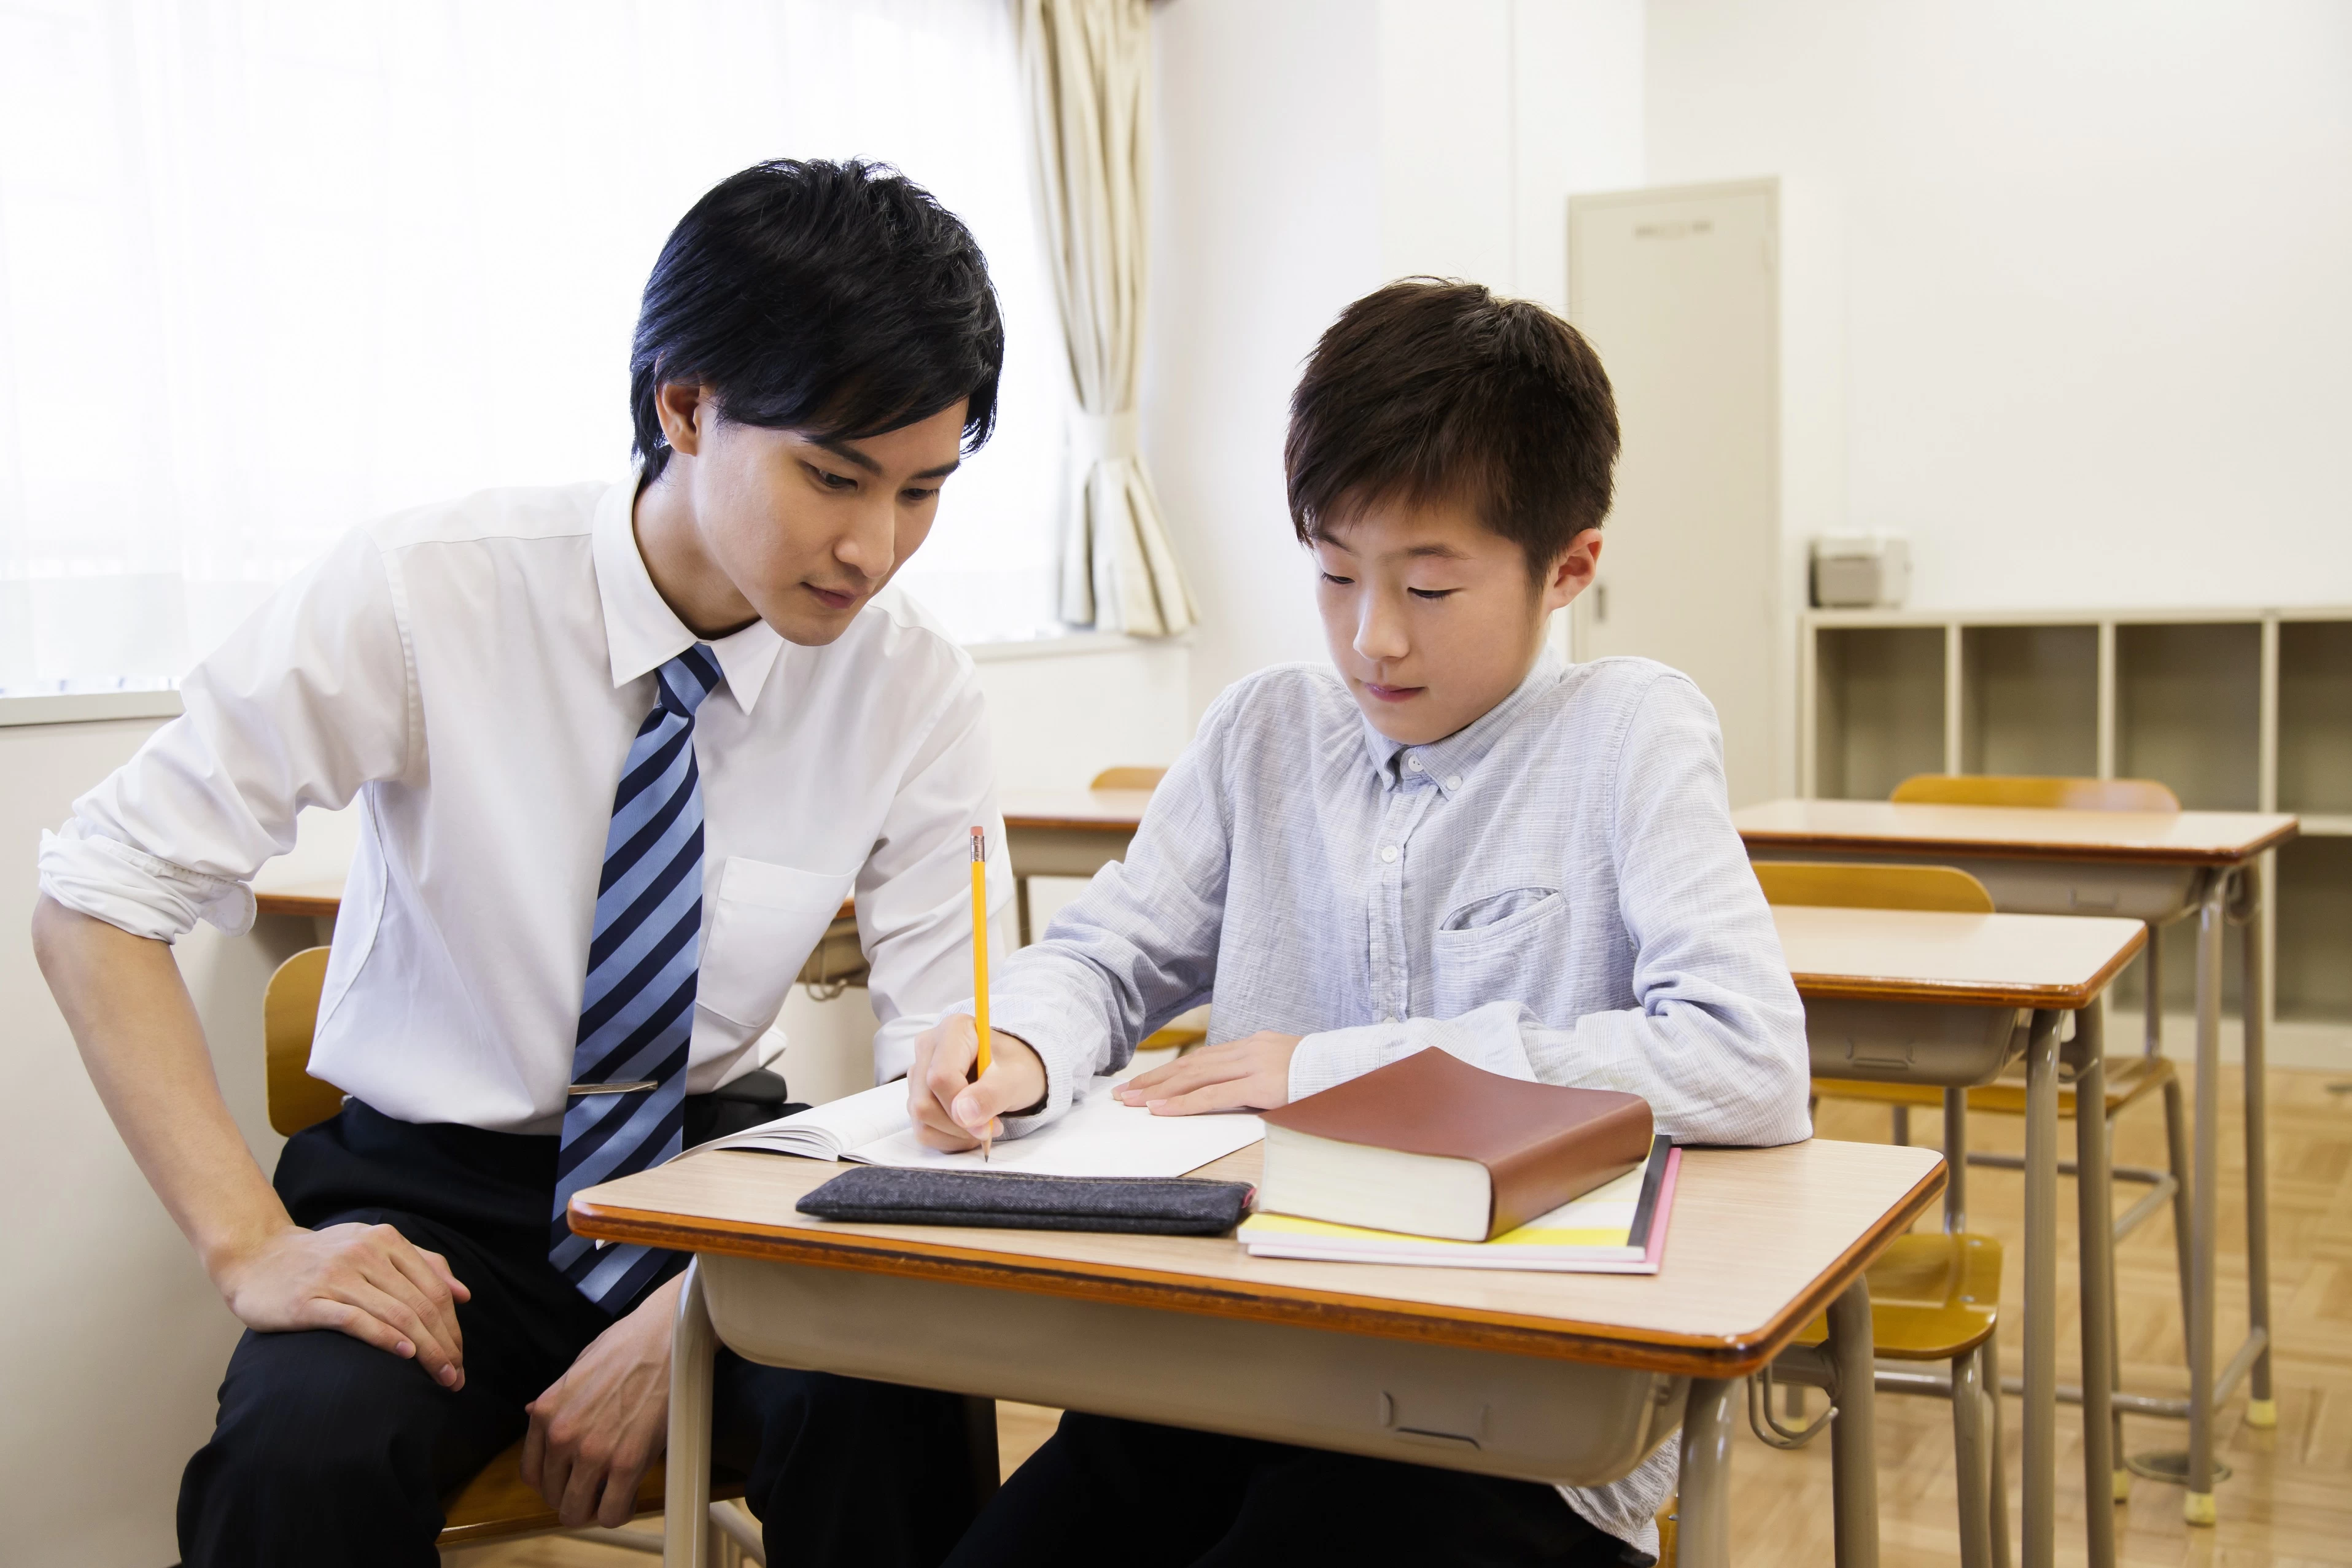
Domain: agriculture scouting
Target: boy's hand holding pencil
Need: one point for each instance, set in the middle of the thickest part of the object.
(950, 1109)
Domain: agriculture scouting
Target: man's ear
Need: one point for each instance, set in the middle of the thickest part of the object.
(1571, 571)
(682, 406)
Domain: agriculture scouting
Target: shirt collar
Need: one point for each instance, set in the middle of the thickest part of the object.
(641, 629)
(1448, 763)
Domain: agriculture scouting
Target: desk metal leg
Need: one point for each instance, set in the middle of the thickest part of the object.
(2212, 920)
(2040, 1413)
(1703, 1509)
(1853, 1438)
(2097, 1298)
(685, 1495)
(2262, 1407)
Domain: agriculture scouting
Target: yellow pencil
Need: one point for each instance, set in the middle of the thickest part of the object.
(980, 956)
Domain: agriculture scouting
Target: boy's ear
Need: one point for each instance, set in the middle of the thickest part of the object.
(680, 404)
(1572, 570)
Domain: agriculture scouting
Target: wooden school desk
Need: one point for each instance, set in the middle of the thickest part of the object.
(1067, 833)
(1570, 1377)
(2156, 866)
(1929, 997)
(837, 958)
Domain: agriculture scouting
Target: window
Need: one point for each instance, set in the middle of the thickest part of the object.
(269, 268)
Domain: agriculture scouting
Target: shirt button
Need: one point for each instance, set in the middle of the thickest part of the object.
(1388, 1018)
(1388, 854)
(1412, 764)
(1454, 780)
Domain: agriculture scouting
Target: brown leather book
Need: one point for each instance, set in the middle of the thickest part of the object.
(1432, 1146)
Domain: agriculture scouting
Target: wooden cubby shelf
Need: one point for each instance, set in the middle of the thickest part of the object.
(2235, 709)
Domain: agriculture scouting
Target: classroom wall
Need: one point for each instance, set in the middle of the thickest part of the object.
(2098, 346)
(1304, 155)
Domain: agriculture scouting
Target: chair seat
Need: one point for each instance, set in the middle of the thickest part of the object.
(1932, 1297)
(497, 1503)
(1180, 1037)
(2129, 1079)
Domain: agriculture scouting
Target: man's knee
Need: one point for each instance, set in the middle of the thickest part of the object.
(318, 1433)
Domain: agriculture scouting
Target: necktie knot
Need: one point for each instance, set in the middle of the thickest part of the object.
(689, 678)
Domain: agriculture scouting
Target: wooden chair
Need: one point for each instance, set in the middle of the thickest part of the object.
(2050, 794)
(1936, 1296)
(1128, 778)
(495, 1505)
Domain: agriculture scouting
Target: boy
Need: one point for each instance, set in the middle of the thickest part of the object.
(620, 752)
(1451, 839)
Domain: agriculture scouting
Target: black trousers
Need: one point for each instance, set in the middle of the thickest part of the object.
(1157, 1497)
(327, 1450)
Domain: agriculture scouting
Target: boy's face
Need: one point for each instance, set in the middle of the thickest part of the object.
(1432, 617)
(797, 532)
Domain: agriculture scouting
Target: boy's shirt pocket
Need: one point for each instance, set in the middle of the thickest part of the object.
(1484, 948)
(766, 919)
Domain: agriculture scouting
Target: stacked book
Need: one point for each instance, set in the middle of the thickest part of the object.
(1431, 1160)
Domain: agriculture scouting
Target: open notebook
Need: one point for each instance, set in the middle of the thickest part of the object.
(1099, 1137)
(1620, 1229)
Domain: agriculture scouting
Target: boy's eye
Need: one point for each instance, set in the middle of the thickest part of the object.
(1432, 593)
(830, 479)
(1333, 577)
(916, 496)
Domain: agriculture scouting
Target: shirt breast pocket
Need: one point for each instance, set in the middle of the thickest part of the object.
(767, 919)
(1486, 950)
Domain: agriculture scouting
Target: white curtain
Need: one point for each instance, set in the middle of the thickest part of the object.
(1085, 63)
(271, 268)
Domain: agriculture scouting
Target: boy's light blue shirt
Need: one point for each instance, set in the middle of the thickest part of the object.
(1555, 892)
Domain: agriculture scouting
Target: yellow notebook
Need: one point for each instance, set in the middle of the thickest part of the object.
(1620, 1229)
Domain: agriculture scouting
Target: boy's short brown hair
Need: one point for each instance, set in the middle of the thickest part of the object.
(1430, 390)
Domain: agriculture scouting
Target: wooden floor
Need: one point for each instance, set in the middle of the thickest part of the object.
(2290, 1500)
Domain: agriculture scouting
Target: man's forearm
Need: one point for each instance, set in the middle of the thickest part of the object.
(137, 1028)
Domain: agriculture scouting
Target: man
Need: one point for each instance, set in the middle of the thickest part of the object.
(620, 753)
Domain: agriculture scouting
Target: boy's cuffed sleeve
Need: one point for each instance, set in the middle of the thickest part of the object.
(308, 699)
(1137, 947)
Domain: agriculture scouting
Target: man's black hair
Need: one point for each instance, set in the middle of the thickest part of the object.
(1431, 390)
(835, 299)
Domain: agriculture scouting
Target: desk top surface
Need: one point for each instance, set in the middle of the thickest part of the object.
(1086, 810)
(2165, 837)
(2060, 962)
(1760, 1242)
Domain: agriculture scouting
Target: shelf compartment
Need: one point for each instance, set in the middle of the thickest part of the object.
(2189, 710)
(2315, 717)
(1878, 707)
(2312, 946)
(2030, 700)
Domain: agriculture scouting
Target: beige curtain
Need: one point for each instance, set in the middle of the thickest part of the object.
(1084, 64)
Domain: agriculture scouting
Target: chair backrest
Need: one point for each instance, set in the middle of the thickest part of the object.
(2063, 793)
(1128, 778)
(290, 1014)
(1871, 887)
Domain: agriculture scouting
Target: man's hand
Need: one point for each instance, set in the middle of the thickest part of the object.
(598, 1427)
(1252, 1073)
(951, 1112)
(365, 1280)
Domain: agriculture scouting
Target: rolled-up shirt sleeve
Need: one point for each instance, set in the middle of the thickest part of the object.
(311, 698)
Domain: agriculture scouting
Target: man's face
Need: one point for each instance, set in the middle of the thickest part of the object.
(808, 531)
(1432, 617)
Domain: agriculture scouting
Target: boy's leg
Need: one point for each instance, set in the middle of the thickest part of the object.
(329, 1450)
(1170, 1497)
(841, 1470)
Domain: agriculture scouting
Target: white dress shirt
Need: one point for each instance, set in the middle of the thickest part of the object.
(1553, 892)
(473, 672)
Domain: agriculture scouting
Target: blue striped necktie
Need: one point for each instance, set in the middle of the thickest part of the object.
(637, 1013)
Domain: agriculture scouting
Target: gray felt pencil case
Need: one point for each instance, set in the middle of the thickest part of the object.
(1008, 1200)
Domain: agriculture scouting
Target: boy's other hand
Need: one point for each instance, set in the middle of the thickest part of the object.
(950, 1112)
(600, 1425)
(1252, 1073)
(365, 1280)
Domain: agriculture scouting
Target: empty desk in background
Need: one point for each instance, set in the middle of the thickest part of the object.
(2154, 866)
(1067, 833)
(1573, 1377)
(1929, 997)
